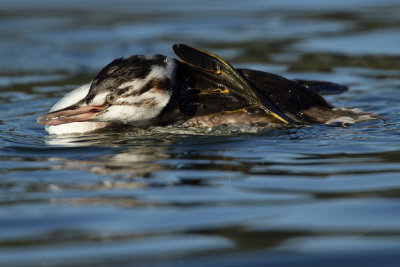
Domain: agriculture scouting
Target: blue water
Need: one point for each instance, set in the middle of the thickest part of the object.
(291, 195)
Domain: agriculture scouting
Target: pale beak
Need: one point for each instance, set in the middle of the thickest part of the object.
(73, 113)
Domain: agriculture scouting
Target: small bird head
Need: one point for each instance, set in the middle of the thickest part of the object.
(132, 91)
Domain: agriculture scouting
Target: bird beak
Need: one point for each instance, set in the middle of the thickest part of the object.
(73, 113)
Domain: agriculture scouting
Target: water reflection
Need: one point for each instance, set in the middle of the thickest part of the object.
(185, 160)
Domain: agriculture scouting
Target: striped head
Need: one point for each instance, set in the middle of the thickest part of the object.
(132, 91)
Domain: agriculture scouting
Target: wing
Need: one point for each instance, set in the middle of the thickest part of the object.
(291, 97)
(216, 85)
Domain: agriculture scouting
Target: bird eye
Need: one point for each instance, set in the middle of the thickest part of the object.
(111, 98)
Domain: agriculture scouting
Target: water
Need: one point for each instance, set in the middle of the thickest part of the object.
(295, 196)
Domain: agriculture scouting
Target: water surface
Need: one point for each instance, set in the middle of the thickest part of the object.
(293, 195)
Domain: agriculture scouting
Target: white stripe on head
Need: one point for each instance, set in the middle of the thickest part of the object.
(157, 72)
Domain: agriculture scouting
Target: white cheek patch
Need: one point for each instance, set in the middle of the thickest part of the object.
(117, 113)
(148, 105)
(99, 99)
(138, 110)
(126, 114)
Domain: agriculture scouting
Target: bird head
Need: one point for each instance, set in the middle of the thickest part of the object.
(132, 91)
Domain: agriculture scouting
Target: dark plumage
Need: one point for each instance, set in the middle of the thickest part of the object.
(202, 80)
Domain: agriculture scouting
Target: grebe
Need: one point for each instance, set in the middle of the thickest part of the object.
(200, 90)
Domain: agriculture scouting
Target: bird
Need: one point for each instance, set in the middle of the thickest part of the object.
(198, 89)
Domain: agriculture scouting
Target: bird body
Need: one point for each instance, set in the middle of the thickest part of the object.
(198, 90)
